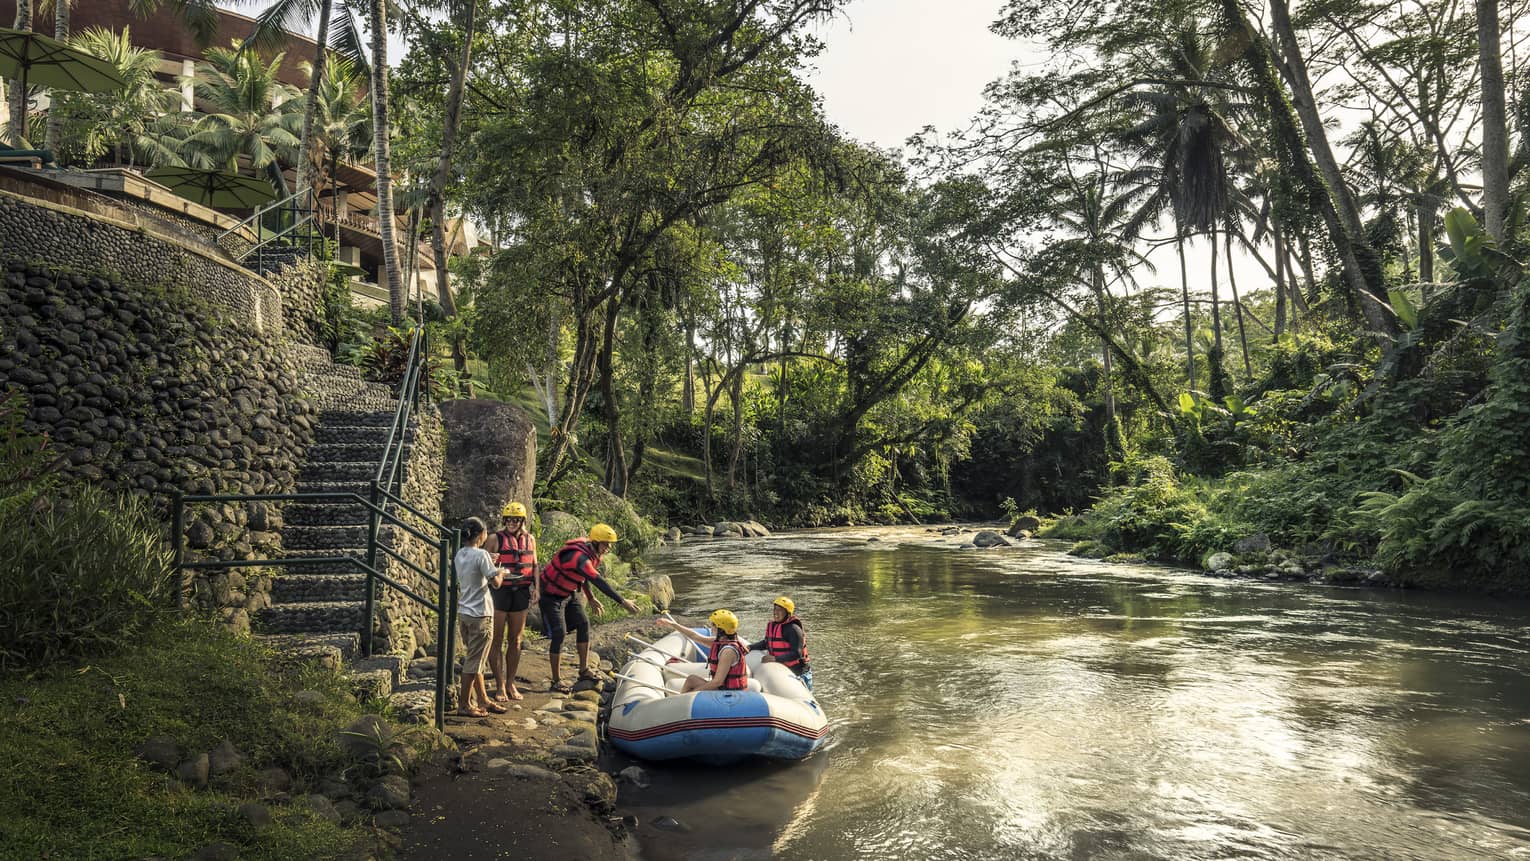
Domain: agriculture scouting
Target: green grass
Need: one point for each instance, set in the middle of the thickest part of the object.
(675, 464)
(72, 786)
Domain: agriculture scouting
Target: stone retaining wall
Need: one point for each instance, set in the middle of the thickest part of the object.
(147, 391)
(60, 237)
(404, 625)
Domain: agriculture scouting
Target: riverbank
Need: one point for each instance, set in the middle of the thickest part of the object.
(526, 783)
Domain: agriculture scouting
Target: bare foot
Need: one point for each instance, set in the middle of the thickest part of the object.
(475, 713)
(515, 693)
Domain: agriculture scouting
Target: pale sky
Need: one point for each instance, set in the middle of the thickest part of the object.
(891, 67)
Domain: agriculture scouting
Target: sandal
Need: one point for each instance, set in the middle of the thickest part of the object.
(472, 713)
(497, 708)
(501, 697)
(515, 694)
(589, 674)
(560, 687)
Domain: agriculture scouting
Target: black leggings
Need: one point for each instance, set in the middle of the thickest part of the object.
(556, 612)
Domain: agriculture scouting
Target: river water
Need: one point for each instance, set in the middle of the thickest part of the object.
(1021, 703)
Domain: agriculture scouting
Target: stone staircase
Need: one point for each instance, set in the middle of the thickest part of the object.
(318, 612)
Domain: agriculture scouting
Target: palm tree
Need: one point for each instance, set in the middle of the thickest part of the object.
(251, 115)
(1184, 138)
(342, 122)
(381, 156)
(61, 33)
(18, 92)
(337, 32)
(92, 125)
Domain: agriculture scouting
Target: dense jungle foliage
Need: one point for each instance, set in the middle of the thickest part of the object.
(718, 304)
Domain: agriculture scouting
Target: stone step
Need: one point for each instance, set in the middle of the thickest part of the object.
(318, 617)
(359, 553)
(365, 450)
(307, 588)
(336, 432)
(328, 650)
(364, 418)
(304, 485)
(324, 540)
(331, 514)
(338, 471)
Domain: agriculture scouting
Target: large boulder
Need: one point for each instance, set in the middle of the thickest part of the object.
(1251, 545)
(1025, 523)
(989, 539)
(659, 588)
(491, 458)
(1221, 561)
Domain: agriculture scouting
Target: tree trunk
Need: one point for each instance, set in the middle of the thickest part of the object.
(1232, 283)
(1425, 219)
(1184, 288)
(737, 396)
(616, 452)
(1108, 383)
(18, 91)
(688, 388)
(437, 195)
(307, 168)
(382, 159)
(61, 33)
(1216, 386)
(1359, 263)
(1280, 283)
(581, 374)
(1495, 128)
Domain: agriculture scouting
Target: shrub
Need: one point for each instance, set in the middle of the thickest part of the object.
(80, 575)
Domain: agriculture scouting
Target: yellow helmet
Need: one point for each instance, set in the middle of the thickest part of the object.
(514, 509)
(786, 604)
(602, 532)
(724, 620)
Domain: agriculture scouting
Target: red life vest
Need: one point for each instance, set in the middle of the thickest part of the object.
(518, 552)
(738, 674)
(778, 645)
(573, 565)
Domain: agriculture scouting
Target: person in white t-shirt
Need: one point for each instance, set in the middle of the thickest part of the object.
(476, 574)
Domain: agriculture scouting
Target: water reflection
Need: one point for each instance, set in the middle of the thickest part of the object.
(1023, 704)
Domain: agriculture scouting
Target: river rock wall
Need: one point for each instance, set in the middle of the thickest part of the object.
(405, 627)
(149, 390)
(62, 238)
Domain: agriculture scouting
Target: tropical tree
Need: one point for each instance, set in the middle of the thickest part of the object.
(19, 95)
(61, 33)
(342, 122)
(337, 33)
(382, 159)
(119, 122)
(250, 117)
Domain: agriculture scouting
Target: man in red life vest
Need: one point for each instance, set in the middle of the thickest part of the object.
(725, 654)
(572, 569)
(786, 640)
(515, 550)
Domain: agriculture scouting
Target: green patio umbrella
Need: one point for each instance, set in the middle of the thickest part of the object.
(215, 188)
(37, 60)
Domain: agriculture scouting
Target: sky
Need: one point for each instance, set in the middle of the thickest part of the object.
(891, 67)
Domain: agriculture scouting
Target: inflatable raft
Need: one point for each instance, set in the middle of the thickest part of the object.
(777, 717)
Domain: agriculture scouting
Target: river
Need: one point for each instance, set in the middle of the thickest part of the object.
(1019, 703)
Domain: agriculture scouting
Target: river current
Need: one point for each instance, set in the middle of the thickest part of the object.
(1018, 703)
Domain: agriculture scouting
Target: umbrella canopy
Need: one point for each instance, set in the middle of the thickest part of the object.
(39, 61)
(215, 188)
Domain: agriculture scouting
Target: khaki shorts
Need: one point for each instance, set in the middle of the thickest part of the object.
(476, 632)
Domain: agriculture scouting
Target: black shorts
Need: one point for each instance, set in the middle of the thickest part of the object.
(511, 599)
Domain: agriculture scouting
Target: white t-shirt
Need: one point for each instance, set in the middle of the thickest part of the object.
(475, 568)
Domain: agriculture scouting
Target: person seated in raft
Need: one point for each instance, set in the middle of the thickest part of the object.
(725, 654)
(572, 569)
(786, 640)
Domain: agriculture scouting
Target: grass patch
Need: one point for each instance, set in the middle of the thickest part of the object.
(73, 787)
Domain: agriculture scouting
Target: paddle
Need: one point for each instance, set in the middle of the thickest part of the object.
(647, 645)
(651, 662)
(667, 691)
